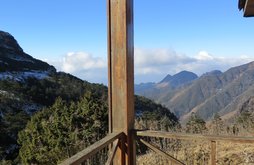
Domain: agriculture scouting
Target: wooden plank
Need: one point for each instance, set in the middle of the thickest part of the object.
(195, 136)
(109, 66)
(121, 64)
(91, 150)
(121, 76)
(164, 154)
(112, 153)
(249, 8)
(213, 152)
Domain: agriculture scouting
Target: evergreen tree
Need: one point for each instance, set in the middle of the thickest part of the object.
(217, 124)
(196, 124)
(62, 130)
(245, 120)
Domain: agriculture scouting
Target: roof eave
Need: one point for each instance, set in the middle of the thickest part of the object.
(248, 10)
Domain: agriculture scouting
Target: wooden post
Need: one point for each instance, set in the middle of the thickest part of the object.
(213, 152)
(121, 77)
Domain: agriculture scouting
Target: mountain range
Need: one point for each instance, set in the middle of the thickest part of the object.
(29, 86)
(213, 92)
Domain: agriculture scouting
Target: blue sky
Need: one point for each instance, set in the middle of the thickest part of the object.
(170, 36)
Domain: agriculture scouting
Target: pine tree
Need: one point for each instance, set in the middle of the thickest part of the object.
(217, 124)
(62, 130)
(196, 124)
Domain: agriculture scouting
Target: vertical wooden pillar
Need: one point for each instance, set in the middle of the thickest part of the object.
(121, 76)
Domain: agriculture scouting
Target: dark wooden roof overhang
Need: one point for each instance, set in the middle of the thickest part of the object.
(247, 6)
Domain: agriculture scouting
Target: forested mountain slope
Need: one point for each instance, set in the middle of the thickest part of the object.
(57, 108)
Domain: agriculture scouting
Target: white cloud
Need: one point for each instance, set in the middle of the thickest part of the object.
(160, 62)
(203, 55)
(81, 61)
(83, 65)
(155, 61)
(158, 57)
(151, 65)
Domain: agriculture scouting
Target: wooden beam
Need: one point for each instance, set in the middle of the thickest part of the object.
(91, 150)
(121, 76)
(112, 153)
(164, 154)
(249, 8)
(195, 136)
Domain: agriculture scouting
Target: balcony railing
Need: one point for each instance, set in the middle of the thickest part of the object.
(82, 156)
(114, 139)
(121, 96)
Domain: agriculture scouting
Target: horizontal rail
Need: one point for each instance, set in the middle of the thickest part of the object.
(91, 150)
(162, 134)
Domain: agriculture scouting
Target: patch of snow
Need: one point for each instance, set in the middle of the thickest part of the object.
(138, 113)
(21, 76)
(11, 148)
(38, 74)
(8, 95)
(2, 92)
(22, 59)
(4, 62)
(30, 108)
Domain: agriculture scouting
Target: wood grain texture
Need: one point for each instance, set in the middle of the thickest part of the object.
(248, 8)
(121, 76)
(112, 152)
(195, 136)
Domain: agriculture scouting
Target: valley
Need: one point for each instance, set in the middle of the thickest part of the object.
(213, 92)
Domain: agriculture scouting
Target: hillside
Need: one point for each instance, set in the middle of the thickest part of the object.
(166, 87)
(213, 92)
(13, 58)
(29, 89)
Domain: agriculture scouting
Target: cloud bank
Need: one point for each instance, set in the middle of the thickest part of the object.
(151, 65)
(154, 64)
(83, 65)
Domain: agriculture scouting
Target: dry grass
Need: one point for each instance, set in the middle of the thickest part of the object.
(198, 153)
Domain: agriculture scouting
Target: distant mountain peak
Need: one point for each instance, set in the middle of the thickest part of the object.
(7, 41)
(166, 79)
(226, 93)
(184, 73)
(179, 79)
(14, 59)
(213, 72)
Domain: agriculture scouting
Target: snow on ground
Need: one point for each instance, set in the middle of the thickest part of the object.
(21, 76)
(8, 95)
(4, 62)
(2, 92)
(18, 58)
(30, 108)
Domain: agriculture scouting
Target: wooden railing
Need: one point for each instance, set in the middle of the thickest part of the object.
(114, 140)
(80, 157)
(213, 139)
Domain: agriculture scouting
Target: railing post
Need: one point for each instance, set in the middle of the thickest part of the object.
(213, 152)
(121, 77)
